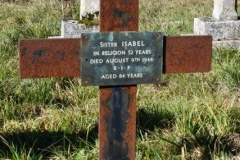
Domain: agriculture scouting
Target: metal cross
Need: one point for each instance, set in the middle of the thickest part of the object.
(41, 58)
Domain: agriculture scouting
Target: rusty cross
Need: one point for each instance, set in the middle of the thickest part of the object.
(41, 58)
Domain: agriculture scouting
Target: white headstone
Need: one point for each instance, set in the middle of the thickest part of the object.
(224, 26)
(89, 6)
(73, 29)
(225, 10)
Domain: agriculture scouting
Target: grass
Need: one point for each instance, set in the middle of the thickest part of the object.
(189, 116)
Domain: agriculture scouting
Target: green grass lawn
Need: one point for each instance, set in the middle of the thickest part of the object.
(188, 116)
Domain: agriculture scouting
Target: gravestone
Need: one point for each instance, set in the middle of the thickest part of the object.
(41, 58)
(73, 28)
(224, 26)
(225, 10)
(88, 6)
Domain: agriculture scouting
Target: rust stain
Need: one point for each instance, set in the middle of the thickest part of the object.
(186, 54)
(119, 15)
(49, 58)
(117, 122)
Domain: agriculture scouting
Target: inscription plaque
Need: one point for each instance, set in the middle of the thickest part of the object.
(122, 58)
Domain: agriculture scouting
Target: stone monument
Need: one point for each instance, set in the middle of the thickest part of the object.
(73, 28)
(89, 6)
(224, 26)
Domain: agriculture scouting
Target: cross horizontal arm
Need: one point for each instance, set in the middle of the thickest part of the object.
(41, 58)
(187, 54)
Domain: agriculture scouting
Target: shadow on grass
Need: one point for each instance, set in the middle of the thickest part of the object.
(46, 143)
(149, 119)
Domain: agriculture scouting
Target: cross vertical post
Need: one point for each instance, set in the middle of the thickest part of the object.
(117, 115)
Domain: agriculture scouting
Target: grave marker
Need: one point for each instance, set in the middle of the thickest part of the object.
(117, 115)
(89, 6)
(224, 25)
(73, 28)
(225, 10)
